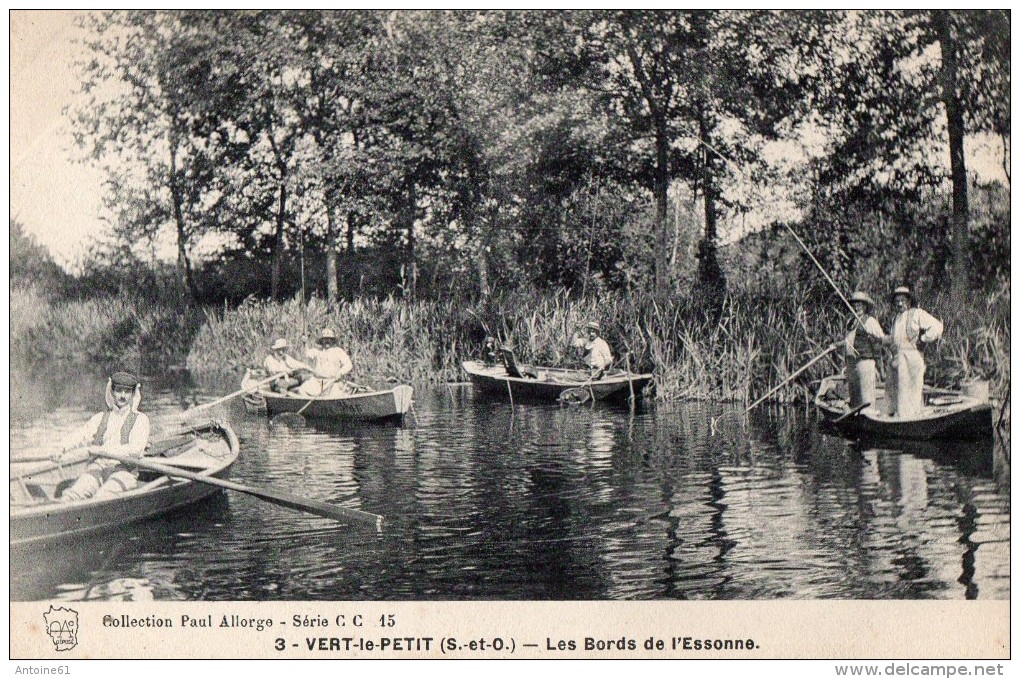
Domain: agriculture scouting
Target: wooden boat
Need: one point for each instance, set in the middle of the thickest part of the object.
(355, 402)
(552, 384)
(947, 414)
(38, 516)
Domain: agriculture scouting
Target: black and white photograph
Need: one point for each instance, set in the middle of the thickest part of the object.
(669, 307)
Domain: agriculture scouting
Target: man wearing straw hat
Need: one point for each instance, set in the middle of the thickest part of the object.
(279, 361)
(121, 429)
(862, 347)
(912, 326)
(330, 364)
(595, 351)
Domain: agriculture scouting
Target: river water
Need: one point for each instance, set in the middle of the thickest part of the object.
(543, 502)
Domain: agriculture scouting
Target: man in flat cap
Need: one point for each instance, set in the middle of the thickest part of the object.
(121, 429)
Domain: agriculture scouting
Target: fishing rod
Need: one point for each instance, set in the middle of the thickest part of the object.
(793, 233)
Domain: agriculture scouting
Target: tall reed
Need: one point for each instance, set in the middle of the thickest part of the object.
(108, 331)
(737, 352)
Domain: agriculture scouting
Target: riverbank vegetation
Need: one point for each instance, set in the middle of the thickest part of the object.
(417, 180)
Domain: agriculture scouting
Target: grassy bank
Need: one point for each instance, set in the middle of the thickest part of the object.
(735, 354)
(104, 332)
(388, 340)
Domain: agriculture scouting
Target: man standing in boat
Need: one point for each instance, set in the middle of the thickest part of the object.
(121, 430)
(330, 364)
(862, 348)
(595, 351)
(279, 361)
(912, 326)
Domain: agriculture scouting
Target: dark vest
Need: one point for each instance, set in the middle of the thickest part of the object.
(866, 346)
(125, 431)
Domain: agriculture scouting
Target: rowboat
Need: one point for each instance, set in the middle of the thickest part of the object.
(38, 516)
(352, 402)
(552, 384)
(947, 414)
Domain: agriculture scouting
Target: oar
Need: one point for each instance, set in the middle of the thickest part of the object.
(714, 420)
(251, 387)
(81, 456)
(853, 413)
(323, 509)
(296, 419)
(580, 394)
(782, 384)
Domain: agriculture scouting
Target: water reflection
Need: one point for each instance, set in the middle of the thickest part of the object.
(485, 500)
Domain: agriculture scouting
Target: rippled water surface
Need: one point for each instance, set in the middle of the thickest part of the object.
(485, 501)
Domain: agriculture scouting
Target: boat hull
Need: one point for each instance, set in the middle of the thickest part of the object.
(38, 520)
(552, 383)
(945, 416)
(376, 405)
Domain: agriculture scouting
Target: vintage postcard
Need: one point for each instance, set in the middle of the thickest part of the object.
(562, 335)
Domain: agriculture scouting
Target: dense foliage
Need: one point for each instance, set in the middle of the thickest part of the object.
(435, 153)
(415, 177)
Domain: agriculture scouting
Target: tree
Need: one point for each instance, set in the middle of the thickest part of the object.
(689, 87)
(144, 91)
(900, 86)
(980, 40)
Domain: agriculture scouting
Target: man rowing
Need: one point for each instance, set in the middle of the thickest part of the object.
(279, 361)
(121, 430)
(330, 364)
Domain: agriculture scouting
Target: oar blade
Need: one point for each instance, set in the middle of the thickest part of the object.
(575, 396)
(317, 507)
(288, 419)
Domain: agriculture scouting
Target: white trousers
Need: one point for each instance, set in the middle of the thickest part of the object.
(100, 481)
(905, 386)
(861, 379)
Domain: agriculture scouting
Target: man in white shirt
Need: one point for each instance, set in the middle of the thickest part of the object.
(912, 326)
(330, 364)
(595, 351)
(279, 361)
(121, 430)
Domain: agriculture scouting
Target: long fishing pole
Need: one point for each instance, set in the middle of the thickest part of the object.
(820, 268)
(795, 236)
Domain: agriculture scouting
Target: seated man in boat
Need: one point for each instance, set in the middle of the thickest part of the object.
(330, 364)
(121, 430)
(913, 326)
(595, 351)
(862, 348)
(279, 361)
(490, 352)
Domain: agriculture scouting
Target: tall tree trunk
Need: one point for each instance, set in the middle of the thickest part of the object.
(482, 261)
(954, 118)
(350, 269)
(183, 261)
(274, 285)
(332, 292)
(710, 275)
(662, 277)
(410, 256)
